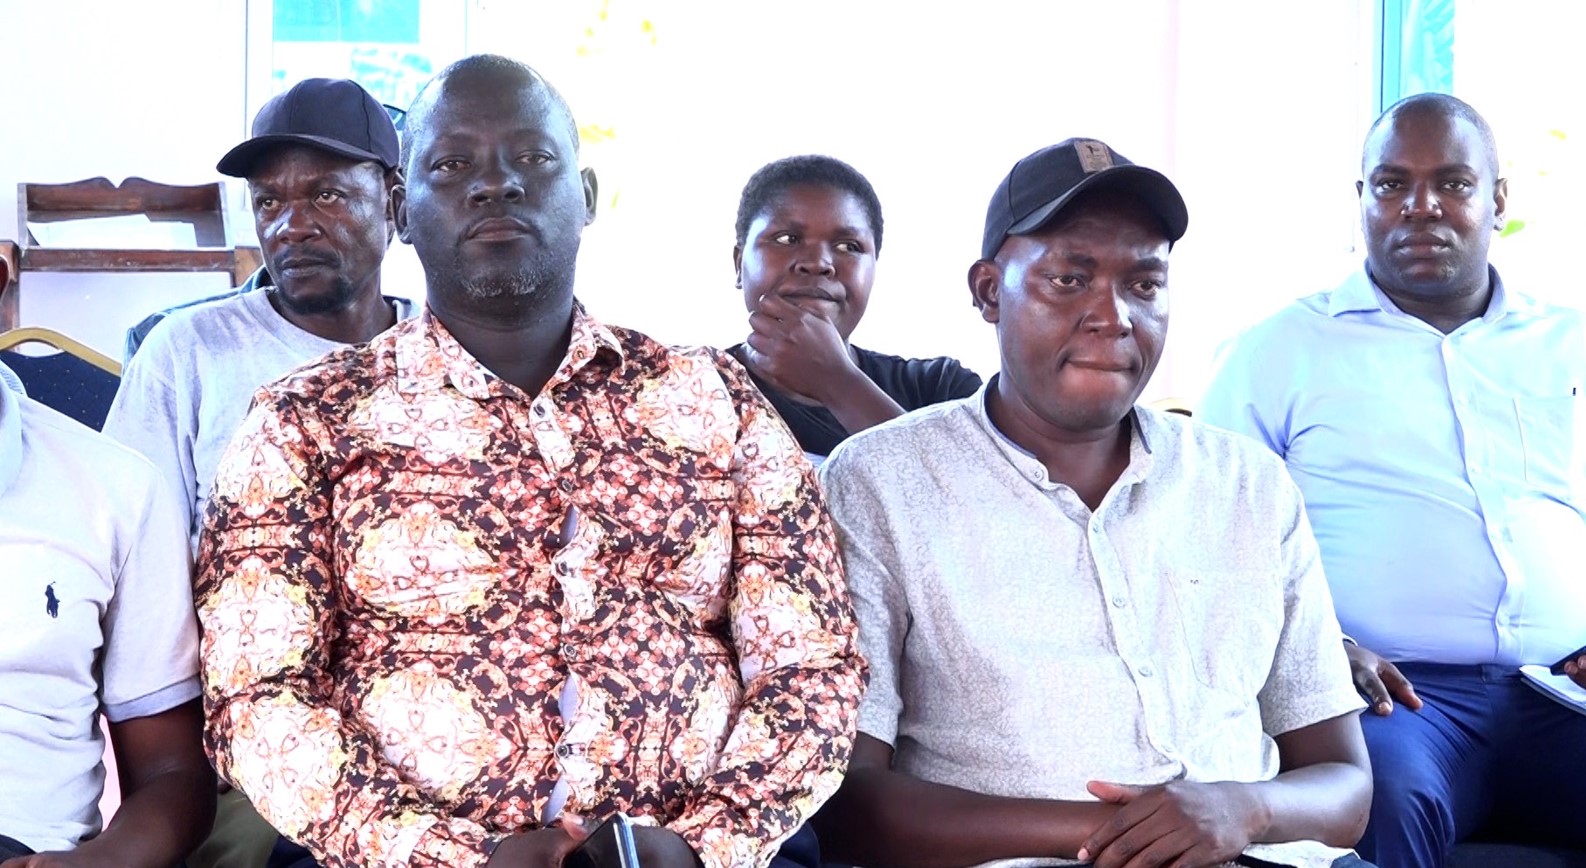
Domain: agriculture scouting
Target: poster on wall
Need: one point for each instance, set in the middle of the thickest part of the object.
(391, 47)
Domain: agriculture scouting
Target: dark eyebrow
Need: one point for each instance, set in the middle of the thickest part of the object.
(339, 176)
(1151, 263)
(539, 134)
(1082, 260)
(1445, 169)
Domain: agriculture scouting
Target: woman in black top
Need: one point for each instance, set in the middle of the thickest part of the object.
(809, 231)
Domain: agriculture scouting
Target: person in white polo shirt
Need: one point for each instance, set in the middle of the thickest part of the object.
(96, 617)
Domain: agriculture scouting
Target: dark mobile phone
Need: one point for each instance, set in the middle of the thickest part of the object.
(610, 846)
(1558, 668)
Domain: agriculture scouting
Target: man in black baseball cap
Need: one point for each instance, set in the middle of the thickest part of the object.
(1040, 185)
(1086, 619)
(333, 114)
(320, 166)
(1072, 183)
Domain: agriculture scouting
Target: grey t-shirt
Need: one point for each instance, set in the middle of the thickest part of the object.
(1021, 645)
(187, 389)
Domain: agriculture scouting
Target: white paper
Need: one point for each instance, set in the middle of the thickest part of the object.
(123, 231)
(1558, 687)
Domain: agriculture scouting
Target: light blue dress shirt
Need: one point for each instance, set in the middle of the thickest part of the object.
(1444, 475)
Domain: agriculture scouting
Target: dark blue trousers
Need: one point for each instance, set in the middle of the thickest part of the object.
(1486, 755)
(10, 847)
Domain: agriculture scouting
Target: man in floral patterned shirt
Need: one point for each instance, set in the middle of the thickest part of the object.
(505, 570)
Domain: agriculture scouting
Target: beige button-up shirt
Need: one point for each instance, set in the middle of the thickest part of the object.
(1021, 644)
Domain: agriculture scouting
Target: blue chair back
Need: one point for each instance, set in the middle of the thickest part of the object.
(75, 380)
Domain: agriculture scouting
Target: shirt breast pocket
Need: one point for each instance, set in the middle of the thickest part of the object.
(1550, 431)
(1229, 629)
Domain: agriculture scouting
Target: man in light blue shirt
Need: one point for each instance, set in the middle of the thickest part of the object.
(1432, 418)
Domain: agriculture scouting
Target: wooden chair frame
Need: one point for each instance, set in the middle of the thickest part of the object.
(203, 205)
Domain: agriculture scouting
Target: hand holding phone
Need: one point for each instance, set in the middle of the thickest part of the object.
(1558, 668)
(609, 846)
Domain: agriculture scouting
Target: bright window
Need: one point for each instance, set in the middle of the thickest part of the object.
(391, 47)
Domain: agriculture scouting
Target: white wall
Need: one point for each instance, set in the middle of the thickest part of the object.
(1519, 63)
(1254, 108)
(1272, 101)
(115, 89)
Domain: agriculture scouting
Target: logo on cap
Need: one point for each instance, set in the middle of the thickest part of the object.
(1093, 156)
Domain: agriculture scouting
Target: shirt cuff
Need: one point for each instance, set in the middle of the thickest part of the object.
(158, 702)
(1308, 710)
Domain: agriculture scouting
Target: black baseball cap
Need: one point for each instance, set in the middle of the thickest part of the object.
(1038, 186)
(333, 114)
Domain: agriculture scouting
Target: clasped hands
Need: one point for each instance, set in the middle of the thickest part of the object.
(1174, 825)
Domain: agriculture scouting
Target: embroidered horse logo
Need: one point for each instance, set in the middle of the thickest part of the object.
(52, 604)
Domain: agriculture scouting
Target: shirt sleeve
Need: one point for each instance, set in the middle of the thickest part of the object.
(880, 602)
(957, 382)
(793, 631)
(138, 334)
(917, 383)
(266, 598)
(151, 636)
(1310, 679)
(1238, 398)
(148, 416)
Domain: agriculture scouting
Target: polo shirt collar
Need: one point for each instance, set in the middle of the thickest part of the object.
(428, 357)
(1142, 429)
(10, 380)
(10, 434)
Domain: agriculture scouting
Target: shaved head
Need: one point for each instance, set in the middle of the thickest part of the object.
(1439, 105)
(484, 67)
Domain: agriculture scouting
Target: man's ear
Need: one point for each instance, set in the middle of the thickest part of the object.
(985, 289)
(393, 179)
(1360, 189)
(591, 191)
(737, 264)
(1500, 201)
(399, 207)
